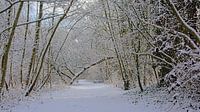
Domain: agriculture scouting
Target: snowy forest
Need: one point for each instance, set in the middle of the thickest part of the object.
(146, 52)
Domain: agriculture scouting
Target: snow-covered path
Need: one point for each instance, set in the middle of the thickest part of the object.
(84, 97)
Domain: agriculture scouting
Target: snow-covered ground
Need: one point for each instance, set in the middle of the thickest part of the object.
(82, 97)
(160, 100)
(86, 96)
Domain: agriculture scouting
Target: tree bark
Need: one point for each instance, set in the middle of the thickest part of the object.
(24, 46)
(46, 49)
(34, 57)
(8, 46)
(110, 28)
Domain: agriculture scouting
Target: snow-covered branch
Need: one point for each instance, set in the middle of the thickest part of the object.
(182, 21)
(156, 57)
(77, 75)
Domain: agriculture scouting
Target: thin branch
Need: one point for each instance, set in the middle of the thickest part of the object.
(174, 32)
(65, 75)
(156, 57)
(66, 37)
(11, 5)
(180, 19)
(31, 22)
(141, 32)
(8, 1)
(47, 46)
(59, 72)
(86, 68)
(66, 66)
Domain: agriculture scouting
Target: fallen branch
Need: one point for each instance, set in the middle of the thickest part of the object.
(86, 68)
(69, 69)
(60, 72)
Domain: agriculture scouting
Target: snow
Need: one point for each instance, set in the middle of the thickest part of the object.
(155, 99)
(82, 97)
(86, 96)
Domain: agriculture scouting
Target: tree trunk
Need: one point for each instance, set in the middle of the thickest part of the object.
(138, 67)
(46, 48)
(110, 28)
(7, 48)
(35, 47)
(24, 47)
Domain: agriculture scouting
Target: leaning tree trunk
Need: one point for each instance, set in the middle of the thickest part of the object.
(8, 46)
(46, 49)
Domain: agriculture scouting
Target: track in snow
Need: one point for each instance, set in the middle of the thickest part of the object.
(82, 97)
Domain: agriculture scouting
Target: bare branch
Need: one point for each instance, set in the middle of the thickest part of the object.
(156, 57)
(174, 32)
(88, 67)
(69, 69)
(31, 22)
(11, 5)
(180, 19)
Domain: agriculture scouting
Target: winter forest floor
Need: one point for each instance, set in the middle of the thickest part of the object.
(89, 97)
